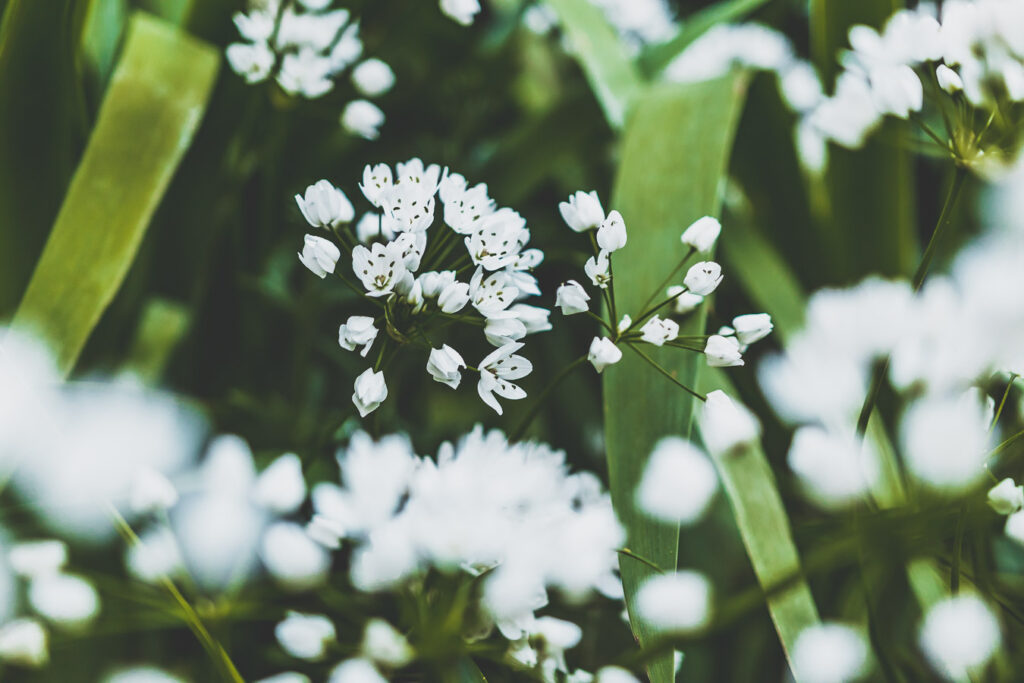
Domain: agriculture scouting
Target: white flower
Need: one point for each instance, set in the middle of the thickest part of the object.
(358, 330)
(356, 670)
(1006, 497)
(305, 636)
(443, 365)
(603, 352)
(373, 77)
(380, 268)
(454, 297)
(325, 206)
(251, 61)
(678, 482)
(959, 635)
(498, 239)
(598, 270)
(1015, 527)
(675, 603)
(949, 80)
(24, 642)
(319, 255)
(684, 301)
(896, 90)
(624, 324)
(383, 644)
(496, 371)
(723, 352)
(362, 118)
(703, 278)
(835, 468)
(572, 298)
(433, 282)
(800, 86)
(945, 440)
(141, 674)
(305, 73)
(658, 330)
(377, 181)
(371, 227)
(370, 391)
(830, 653)
(155, 556)
(286, 677)
(281, 487)
(725, 424)
(38, 558)
(534, 318)
(64, 599)
(583, 211)
(501, 331)
(614, 674)
(151, 491)
(611, 236)
(492, 294)
(410, 204)
(461, 11)
(752, 327)
(702, 234)
(293, 558)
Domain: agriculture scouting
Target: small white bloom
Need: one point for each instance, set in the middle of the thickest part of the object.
(752, 327)
(726, 424)
(325, 206)
(615, 674)
(24, 642)
(496, 372)
(38, 558)
(319, 255)
(959, 635)
(491, 294)
(603, 352)
(1014, 528)
(684, 301)
(155, 556)
(281, 487)
(678, 482)
(830, 653)
(572, 298)
(461, 11)
(453, 297)
(1006, 497)
(305, 636)
(896, 90)
(362, 118)
(443, 365)
(624, 324)
(293, 558)
(611, 236)
(658, 330)
(305, 73)
(723, 352)
(370, 227)
(383, 644)
(534, 318)
(583, 211)
(356, 670)
(64, 599)
(675, 603)
(380, 268)
(945, 440)
(703, 278)
(358, 330)
(501, 331)
(370, 392)
(286, 677)
(251, 61)
(433, 283)
(949, 80)
(598, 269)
(377, 181)
(373, 77)
(702, 234)
(151, 491)
(835, 469)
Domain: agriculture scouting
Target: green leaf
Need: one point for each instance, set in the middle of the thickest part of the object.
(613, 77)
(673, 158)
(162, 327)
(156, 99)
(464, 671)
(657, 57)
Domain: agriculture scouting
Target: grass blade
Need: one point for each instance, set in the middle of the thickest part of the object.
(613, 76)
(156, 99)
(673, 158)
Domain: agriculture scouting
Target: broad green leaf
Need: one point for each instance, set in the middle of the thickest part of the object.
(465, 671)
(870, 191)
(104, 24)
(674, 155)
(42, 126)
(659, 56)
(613, 77)
(154, 104)
(163, 325)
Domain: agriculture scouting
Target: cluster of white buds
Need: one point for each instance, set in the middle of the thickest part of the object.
(414, 282)
(583, 213)
(304, 45)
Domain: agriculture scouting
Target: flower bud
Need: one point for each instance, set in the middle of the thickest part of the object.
(370, 392)
(603, 352)
(319, 255)
(702, 234)
(572, 298)
(703, 278)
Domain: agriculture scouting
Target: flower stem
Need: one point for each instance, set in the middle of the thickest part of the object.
(664, 283)
(517, 433)
(643, 560)
(667, 374)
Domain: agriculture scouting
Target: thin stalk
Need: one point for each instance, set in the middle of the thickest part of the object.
(602, 321)
(642, 560)
(517, 433)
(667, 374)
(664, 283)
(958, 546)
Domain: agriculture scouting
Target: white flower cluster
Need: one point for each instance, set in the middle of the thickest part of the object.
(639, 22)
(305, 46)
(414, 281)
(510, 514)
(583, 213)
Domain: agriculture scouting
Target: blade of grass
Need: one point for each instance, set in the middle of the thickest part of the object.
(155, 102)
(611, 73)
(163, 325)
(673, 159)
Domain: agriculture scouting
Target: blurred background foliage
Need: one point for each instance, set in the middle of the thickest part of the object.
(217, 307)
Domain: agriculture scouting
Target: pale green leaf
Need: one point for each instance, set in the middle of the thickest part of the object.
(156, 99)
(674, 155)
(163, 325)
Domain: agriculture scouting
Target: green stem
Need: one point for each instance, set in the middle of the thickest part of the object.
(666, 373)
(664, 283)
(517, 433)
(643, 560)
